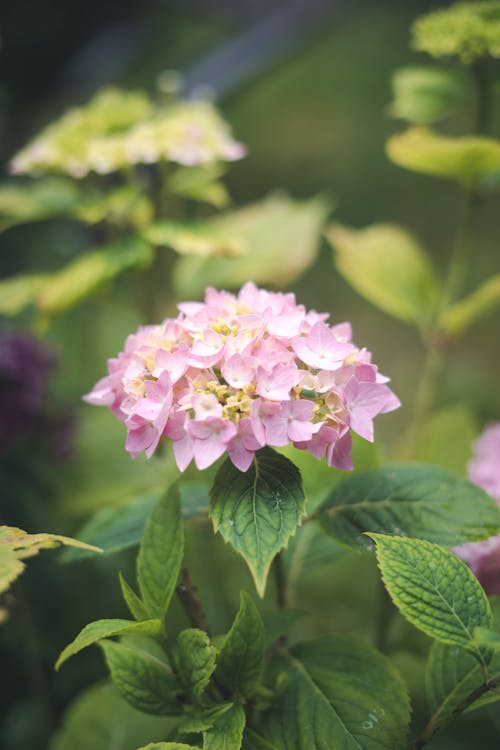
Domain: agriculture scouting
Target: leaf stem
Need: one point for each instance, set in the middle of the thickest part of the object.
(433, 725)
(188, 597)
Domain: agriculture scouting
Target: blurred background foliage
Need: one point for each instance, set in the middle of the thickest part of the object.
(306, 85)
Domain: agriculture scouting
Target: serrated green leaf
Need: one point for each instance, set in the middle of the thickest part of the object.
(122, 526)
(22, 202)
(82, 277)
(388, 266)
(227, 731)
(196, 661)
(203, 720)
(424, 94)
(100, 719)
(143, 679)
(340, 693)
(280, 239)
(133, 602)
(240, 660)
(160, 554)
(258, 511)
(467, 311)
(416, 500)
(17, 545)
(203, 239)
(96, 631)
(18, 292)
(451, 675)
(433, 589)
(471, 160)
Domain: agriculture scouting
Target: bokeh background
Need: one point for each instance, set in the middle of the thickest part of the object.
(306, 85)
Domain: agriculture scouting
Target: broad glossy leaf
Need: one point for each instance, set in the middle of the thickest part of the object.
(160, 554)
(433, 589)
(388, 266)
(471, 160)
(96, 631)
(340, 693)
(204, 239)
(424, 94)
(227, 731)
(99, 719)
(22, 202)
(143, 679)
(280, 239)
(18, 292)
(82, 277)
(241, 656)
(416, 500)
(17, 545)
(196, 661)
(259, 510)
(467, 311)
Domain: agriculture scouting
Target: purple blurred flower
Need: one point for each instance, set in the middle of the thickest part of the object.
(484, 470)
(25, 369)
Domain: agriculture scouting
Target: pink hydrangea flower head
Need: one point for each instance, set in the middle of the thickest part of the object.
(484, 470)
(240, 371)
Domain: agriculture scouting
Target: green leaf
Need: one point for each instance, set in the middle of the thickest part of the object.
(253, 741)
(124, 206)
(471, 160)
(168, 746)
(22, 202)
(17, 545)
(82, 277)
(100, 719)
(202, 720)
(278, 622)
(417, 500)
(340, 693)
(387, 265)
(133, 602)
(204, 239)
(196, 661)
(445, 438)
(433, 589)
(18, 292)
(487, 638)
(258, 511)
(424, 94)
(143, 679)
(160, 554)
(96, 631)
(279, 238)
(240, 661)
(227, 731)
(467, 311)
(452, 674)
(121, 526)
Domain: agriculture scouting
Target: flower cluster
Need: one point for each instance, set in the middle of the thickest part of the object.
(484, 470)
(236, 373)
(118, 128)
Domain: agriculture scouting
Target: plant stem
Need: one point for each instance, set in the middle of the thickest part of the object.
(484, 102)
(433, 726)
(188, 596)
